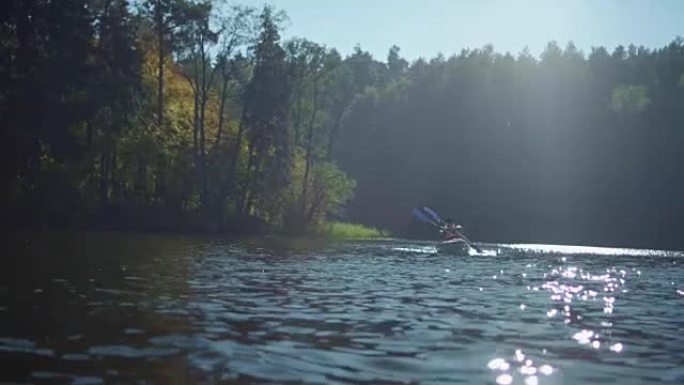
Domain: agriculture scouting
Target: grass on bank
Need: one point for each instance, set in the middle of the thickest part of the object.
(341, 230)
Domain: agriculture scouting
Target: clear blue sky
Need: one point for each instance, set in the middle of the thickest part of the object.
(424, 28)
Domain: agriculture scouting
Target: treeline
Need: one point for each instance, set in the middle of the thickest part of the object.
(565, 148)
(169, 115)
(194, 115)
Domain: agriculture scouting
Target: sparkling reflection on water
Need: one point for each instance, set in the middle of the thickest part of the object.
(93, 308)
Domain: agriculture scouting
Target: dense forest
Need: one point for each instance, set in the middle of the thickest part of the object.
(569, 148)
(195, 115)
(167, 115)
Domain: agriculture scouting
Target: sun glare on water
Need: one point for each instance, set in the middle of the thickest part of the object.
(570, 249)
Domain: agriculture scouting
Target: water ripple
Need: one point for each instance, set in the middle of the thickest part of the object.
(363, 312)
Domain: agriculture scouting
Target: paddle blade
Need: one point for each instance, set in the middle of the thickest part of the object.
(433, 214)
(420, 216)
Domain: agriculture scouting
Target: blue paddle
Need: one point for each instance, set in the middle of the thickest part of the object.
(433, 214)
(438, 222)
(422, 217)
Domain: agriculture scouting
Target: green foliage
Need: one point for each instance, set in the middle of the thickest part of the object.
(328, 191)
(332, 188)
(178, 117)
(267, 126)
(520, 148)
(629, 99)
(341, 230)
(183, 115)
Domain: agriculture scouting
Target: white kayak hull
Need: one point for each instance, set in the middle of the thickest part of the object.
(456, 245)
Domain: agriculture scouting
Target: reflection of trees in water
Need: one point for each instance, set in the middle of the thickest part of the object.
(94, 300)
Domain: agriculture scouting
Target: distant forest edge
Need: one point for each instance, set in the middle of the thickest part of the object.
(193, 116)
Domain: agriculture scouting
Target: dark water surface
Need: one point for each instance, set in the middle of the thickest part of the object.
(120, 308)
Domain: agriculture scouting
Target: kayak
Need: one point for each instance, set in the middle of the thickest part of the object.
(455, 245)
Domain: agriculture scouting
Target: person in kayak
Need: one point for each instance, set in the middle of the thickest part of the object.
(451, 230)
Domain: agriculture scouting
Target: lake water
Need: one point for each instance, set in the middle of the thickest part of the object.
(88, 308)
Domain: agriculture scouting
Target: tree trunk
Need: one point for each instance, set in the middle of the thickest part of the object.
(222, 107)
(297, 114)
(159, 179)
(242, 202)
(309, 146)
(195, 128)
(202, 88)
(235, 153)
(116, 193)
(160, 75)
(142, 177)
(202, 154)
(104, 178)
(333, 133)
(338, 123)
